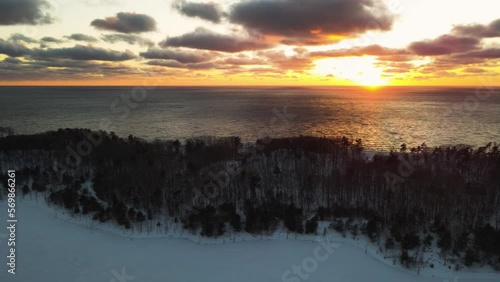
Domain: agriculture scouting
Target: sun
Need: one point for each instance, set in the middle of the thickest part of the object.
(357, 70)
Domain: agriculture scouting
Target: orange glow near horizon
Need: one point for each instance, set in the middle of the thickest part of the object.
(359, 70)
(346, 71)
(307, 81)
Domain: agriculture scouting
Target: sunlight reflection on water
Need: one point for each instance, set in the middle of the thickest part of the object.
(383, 119)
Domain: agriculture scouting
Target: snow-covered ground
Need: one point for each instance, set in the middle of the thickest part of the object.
(52, 249)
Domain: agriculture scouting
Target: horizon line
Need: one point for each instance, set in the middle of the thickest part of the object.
(245, 85)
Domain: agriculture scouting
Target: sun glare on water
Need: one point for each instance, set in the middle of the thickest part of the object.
(359, 70)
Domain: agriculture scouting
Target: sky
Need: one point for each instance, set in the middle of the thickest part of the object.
(250, 42)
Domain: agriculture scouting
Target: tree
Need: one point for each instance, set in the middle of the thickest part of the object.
(236, 222)
(140, 217)
(250, 223)
(470, 257)
(119, 211)
(410, 241)
(293, 219)
(405, 259)
(339, 226)
(221, 228)
(25, 189)
(461, 243)
(355, 230)
(428, 240)
(70, 198)
(389, 243)
(372, 229)
(445, 241)
(312, 225)
(132, 215)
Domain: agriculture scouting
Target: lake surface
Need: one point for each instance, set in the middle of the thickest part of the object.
(383, 118)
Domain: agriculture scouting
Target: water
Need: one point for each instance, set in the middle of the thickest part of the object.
(383, 118)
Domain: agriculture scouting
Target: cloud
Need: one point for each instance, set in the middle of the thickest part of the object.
(312, 22)
(477, 30)
(177, 64)
(62, 69)
(126, 23)
(444, 45)
(13, 61)
(474, 70)
(81, 37)
(242, 60)
(280, 61)
(13, 49)
(370, 50)
(127, 38)
(14, 12)
(177, 55)
(49, 39)
(206, 11)
(83, 53)
(207, 40)
(491, 53)
(21, 37)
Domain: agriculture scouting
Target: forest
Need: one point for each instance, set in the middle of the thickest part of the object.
(405, 200)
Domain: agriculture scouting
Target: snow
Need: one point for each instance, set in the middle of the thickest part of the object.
(51, 248)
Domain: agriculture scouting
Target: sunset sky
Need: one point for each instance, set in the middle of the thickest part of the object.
(250, 42)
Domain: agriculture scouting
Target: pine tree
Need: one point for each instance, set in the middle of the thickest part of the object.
(140, 217)
(221, 228)
(389, 243)
(312, 225)
(372, 229)
(236, 222)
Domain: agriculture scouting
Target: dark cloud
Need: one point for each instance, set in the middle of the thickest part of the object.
(478, 30)
(280, 61)
(206, 11)
(83, 53)
(444, 45)
(241, 60)
(371, 50)
(207, 40)
(312, 22)
(14, 12)
(62, 69)
(13, 61)
(49, 39)
(13, 49)
(177, 64)
(177, 55)
(491, 53)
(21, 37)
(474, 70)
(127, 38)
(81, 37)
(126, 23)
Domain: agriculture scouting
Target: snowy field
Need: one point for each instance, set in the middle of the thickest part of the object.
(51, 249)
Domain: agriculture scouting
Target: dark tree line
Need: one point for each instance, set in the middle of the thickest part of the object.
(418, 196)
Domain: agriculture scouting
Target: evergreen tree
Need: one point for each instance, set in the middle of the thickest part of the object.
(236, 222)
(372, 229)
(221, 228)
(140, 217)
(312, 225)
(389, 244)
(410, 241)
